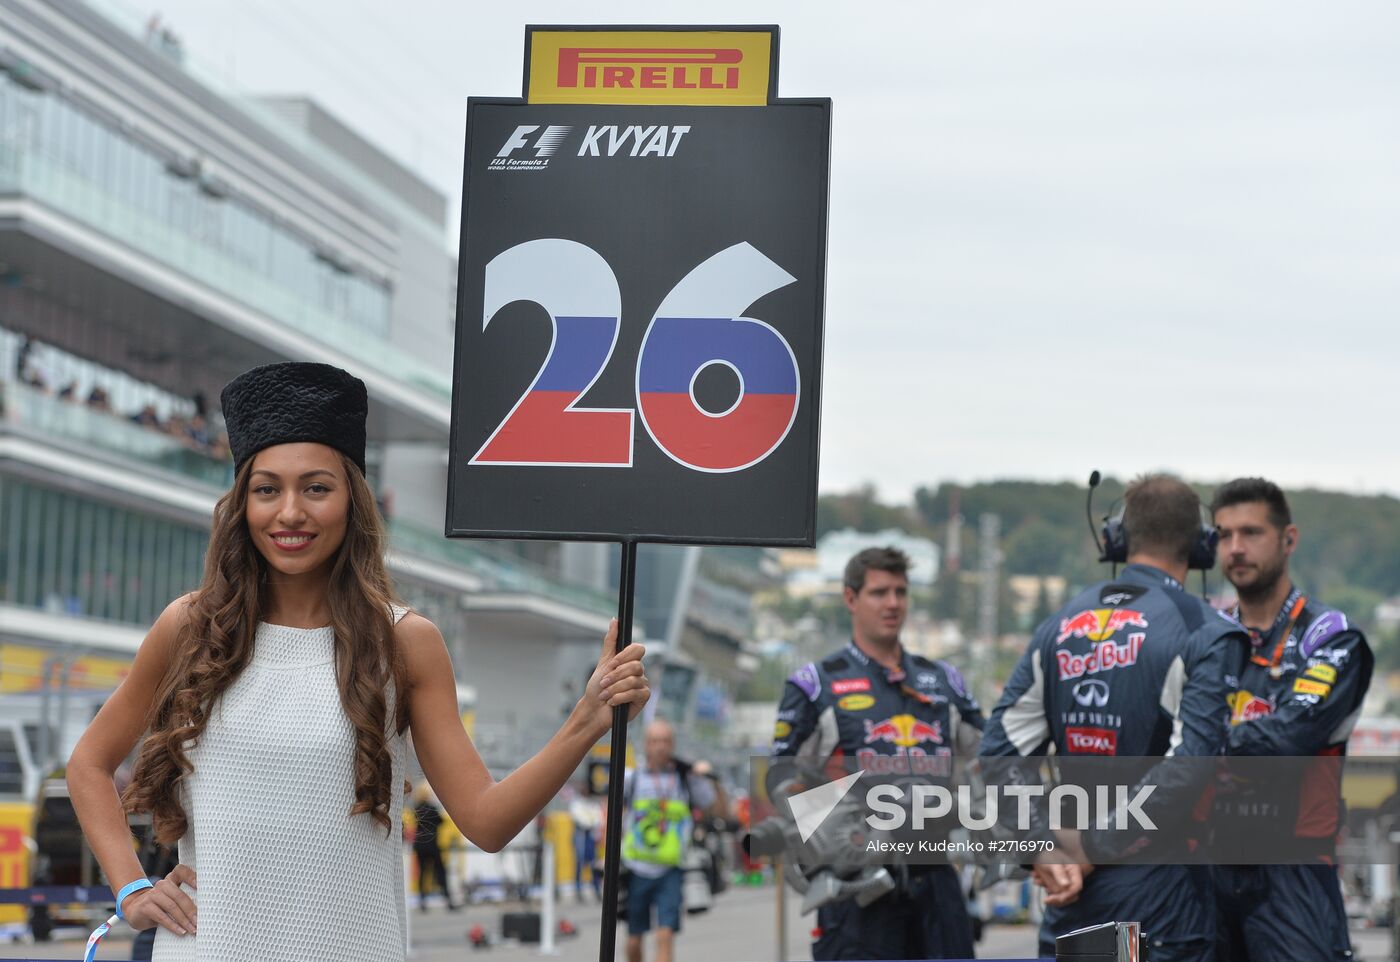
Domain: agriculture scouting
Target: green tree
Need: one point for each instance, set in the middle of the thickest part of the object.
(1043, 607)
(765, 684)
(863, 511)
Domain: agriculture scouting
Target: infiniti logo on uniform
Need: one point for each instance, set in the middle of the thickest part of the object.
(1091, 693)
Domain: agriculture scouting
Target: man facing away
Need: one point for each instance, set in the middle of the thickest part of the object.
(1133, 666)
(1300, 695)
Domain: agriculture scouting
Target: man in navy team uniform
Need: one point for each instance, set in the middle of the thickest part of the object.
(1300, 695)
(1134, 666)
(874, 701)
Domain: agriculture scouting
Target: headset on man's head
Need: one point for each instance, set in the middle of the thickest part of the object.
(1114, 546)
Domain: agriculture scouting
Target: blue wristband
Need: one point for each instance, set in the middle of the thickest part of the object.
(136, 886)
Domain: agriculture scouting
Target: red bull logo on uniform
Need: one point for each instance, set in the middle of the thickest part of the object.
(907, 761)
(903, 730)
(1102, 657)
(1099, 624)
(1246, 706)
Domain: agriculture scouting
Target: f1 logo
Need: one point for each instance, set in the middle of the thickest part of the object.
(545, 144)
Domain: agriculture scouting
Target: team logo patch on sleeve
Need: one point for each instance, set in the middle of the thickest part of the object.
(1323, 673)
(955, 679)
(782, 730)
(1331, 623)
(1305, 687)
(805, 678)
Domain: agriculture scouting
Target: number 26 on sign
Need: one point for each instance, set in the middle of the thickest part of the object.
(697, 325)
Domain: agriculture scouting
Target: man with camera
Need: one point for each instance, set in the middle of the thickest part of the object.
(1133, 666)
(1300, 695)
(871, 700)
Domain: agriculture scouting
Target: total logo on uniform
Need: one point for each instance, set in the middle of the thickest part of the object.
(1091, 741)
(532, 146)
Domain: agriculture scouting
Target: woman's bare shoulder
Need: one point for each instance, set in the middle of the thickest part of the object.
(414, 631)
(423, 648)
(184, 603)
(166, 630)
(177, 615)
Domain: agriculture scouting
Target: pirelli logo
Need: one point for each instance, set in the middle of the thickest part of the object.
(658, 68)
(712, 68)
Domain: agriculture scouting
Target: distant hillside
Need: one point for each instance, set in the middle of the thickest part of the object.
(1348, 552)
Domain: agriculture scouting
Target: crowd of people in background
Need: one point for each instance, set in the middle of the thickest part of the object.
(196, 432)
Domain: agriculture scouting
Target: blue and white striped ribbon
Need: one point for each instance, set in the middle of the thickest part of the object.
(96, 937)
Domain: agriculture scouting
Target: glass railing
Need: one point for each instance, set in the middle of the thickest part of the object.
(28, 169)
(26, 410)
(500, 571)
(33, 412)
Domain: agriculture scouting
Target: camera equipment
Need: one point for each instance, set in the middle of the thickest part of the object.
(826, 868)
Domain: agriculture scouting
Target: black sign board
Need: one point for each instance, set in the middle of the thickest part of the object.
(639, 326)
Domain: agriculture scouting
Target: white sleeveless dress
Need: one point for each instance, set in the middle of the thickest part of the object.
(285, 873)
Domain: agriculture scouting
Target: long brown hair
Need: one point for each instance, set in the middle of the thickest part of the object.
(215, 643)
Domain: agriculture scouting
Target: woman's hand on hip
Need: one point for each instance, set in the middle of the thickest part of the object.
(166, 904)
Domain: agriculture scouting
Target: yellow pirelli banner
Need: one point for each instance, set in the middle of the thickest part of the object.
(16, 821)
(22, 668)
(709, 66)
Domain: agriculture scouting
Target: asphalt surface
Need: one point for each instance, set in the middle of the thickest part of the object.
(740, 927)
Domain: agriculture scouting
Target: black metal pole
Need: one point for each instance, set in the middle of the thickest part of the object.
(617, 761)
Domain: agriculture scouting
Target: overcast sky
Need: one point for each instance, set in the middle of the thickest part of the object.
(1063, 235)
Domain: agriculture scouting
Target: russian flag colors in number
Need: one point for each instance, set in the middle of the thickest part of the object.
(698, 324)
(578, 290)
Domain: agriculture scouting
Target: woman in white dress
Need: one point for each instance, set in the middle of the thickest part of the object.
(275, 742)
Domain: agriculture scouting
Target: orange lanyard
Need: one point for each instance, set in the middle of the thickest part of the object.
(1273, 663)
(897, 677)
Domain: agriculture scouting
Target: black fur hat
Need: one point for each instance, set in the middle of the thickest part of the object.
(295, 401)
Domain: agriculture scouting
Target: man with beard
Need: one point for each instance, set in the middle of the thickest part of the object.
(1300, 695)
